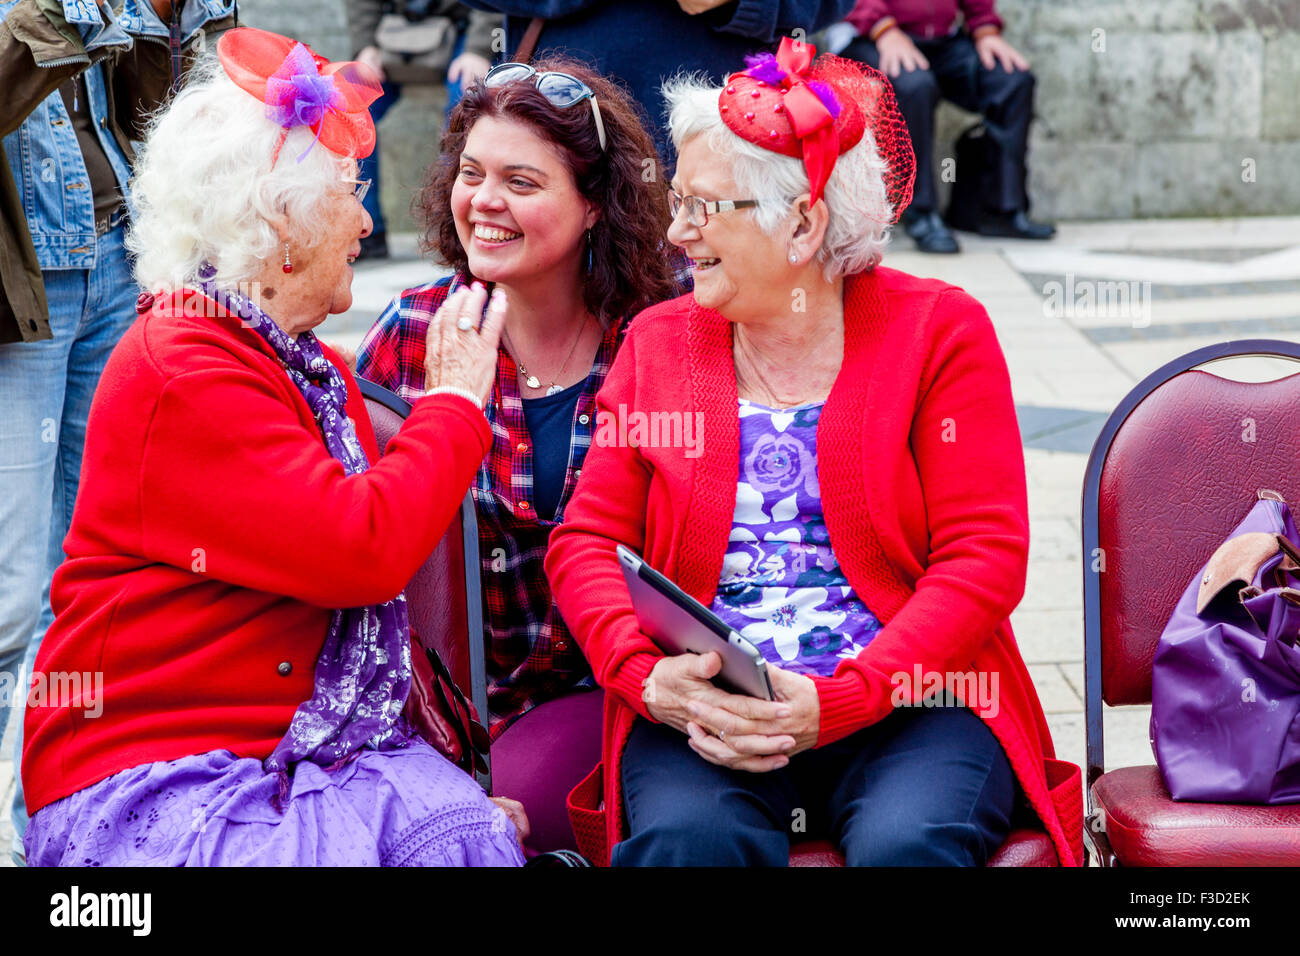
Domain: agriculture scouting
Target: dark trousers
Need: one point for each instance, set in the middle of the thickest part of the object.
(924, 787)
(1005, 100)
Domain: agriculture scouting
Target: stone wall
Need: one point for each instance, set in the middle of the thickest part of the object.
(1145, 107)
(1164, 108)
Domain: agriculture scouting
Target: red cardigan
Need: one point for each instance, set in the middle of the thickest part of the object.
(212, 534)
(923, 485)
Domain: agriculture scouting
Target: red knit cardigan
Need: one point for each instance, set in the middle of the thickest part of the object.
(212, 535)
(923, 486)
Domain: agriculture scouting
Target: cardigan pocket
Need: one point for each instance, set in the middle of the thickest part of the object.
(1065, 785)
(587, 816)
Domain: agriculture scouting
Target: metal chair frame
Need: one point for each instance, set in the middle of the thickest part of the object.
(469, 544)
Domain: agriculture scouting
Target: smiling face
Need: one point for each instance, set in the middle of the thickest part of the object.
(517, 209)
(323, 271)
(738, 269)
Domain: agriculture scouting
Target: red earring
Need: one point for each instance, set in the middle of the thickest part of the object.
(288, 266)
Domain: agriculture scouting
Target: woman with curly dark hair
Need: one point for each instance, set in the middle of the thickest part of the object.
(544, 194)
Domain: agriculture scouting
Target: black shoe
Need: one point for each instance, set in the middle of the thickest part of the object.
(374, 246)
(1014, 225)
(929, 232)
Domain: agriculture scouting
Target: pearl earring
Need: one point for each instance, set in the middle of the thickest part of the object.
(288, 266)
(793, 258)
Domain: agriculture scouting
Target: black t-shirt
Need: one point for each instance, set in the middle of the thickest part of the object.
(549, 420)
(103, 182)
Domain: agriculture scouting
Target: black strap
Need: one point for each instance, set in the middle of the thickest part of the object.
(558, 859)
(475, 742)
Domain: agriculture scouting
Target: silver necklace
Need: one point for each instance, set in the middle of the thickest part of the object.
(532, 381)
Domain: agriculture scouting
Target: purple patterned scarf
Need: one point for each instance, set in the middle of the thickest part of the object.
(363, 673)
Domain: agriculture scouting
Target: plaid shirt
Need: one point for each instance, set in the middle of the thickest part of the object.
(531, 656)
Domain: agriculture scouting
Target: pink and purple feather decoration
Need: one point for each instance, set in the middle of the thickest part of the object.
(764, 67)
(297, 94)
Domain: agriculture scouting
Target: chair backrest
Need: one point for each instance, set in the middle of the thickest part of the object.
(1177, 466)
(444, 598)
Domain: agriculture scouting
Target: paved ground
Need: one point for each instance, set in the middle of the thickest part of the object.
(1082, 319)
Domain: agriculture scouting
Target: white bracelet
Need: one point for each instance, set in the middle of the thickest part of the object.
(453, 390)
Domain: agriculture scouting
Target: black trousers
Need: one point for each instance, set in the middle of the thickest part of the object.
(923, 787)
(1006, 101)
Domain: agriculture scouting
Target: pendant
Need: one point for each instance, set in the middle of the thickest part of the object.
(553, 389)
(532, 381)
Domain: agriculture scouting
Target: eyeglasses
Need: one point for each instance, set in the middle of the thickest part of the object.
(359, 187)
(698, 210)
(560, 89)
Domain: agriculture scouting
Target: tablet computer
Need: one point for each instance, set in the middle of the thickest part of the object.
(679, 624)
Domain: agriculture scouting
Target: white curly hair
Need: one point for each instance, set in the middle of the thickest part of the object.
(204, 188)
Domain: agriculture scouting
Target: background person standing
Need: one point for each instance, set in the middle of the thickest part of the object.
(641, 43)
(470, 56)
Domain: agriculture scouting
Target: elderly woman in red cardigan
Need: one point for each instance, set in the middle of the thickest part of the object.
(231, 599)
(851, 500)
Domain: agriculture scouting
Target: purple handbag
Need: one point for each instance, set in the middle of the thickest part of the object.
(1225, 680)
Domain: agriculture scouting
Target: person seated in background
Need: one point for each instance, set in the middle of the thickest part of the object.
(929, 53)
(470, 54)
(232, 594)
(538, 191)
(834, 517)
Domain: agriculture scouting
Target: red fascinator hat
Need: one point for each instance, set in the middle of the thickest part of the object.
(300, 88)
(815, 111)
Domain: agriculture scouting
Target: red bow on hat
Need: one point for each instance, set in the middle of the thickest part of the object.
(815, 111)
(300, 88)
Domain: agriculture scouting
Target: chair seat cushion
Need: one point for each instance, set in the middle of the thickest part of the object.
(1023, 847)
(815, 853)
(1146, 827)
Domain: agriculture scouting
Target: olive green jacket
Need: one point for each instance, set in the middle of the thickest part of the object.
(39, 51)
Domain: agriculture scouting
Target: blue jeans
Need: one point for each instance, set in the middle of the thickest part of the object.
(924, 787)
(45, 392)
(369, 167)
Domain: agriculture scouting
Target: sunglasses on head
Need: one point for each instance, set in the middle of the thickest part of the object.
(560, 89)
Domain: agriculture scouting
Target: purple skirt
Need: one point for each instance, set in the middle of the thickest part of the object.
(405, 807)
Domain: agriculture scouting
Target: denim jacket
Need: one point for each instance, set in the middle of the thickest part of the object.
(44, 160)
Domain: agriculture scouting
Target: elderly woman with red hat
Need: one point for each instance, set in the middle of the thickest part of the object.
(854, 506)
(231, 600)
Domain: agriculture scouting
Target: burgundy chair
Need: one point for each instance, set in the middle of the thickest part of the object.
(1176, 467)
(444, 599)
